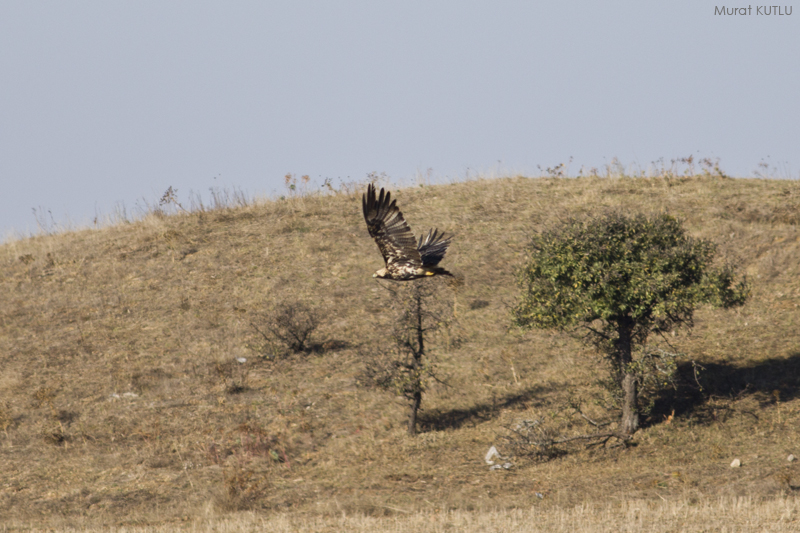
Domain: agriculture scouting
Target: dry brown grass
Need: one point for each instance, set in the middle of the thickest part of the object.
(119, 352)
(723, 515)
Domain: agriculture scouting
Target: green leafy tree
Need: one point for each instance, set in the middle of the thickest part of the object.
(621, 278)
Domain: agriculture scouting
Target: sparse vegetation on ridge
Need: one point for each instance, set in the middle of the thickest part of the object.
(123, 401)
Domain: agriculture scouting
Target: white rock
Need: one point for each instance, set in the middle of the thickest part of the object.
(130, 395)
(241, 360)
(736, 463)
(791, 458)
(491, 455)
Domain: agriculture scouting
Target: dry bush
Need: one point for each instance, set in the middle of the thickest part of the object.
(249, 455)
(536, 438)
(290, 327)
(567, 427)
(234, 375)
(243, 489)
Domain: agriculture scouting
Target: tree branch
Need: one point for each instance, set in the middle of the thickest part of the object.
(592, 422)
(598, 333)
(591, 436)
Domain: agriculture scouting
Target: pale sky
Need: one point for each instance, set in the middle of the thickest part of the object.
(105, 103)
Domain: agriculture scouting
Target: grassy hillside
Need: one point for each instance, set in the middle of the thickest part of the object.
(122, 400)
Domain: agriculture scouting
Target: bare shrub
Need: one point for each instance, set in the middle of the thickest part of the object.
(243, 487)
(248, 454)
(555, 433)
(290, 327)
(535, 438)
(233, 375)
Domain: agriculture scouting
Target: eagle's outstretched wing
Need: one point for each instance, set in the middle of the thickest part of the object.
(432, 247)
(389, 229)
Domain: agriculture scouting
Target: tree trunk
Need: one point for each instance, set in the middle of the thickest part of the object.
(630, 402)
(412, 416)
(630, 410)
(419, 353)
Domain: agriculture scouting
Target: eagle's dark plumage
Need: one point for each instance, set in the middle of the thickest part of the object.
(405, 258)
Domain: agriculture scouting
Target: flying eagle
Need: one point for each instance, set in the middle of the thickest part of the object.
(405, 258)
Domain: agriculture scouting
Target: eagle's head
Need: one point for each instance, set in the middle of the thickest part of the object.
(380, 273)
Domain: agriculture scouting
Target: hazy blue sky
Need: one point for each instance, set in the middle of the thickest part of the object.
(108, 102)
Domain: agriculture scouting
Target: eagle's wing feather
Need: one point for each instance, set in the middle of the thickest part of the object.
(432, 247)
(389, 229)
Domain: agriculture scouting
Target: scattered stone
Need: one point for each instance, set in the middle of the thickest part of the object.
(115, 396)
(491, 455)
(539, 495)
(241, 360)
(736, 463)
(791, 458)
(504, 466)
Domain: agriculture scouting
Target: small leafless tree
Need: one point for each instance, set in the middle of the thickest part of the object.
(406, 366)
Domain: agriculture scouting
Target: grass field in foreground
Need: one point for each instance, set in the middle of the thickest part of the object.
(122, 401)
(728, 515)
